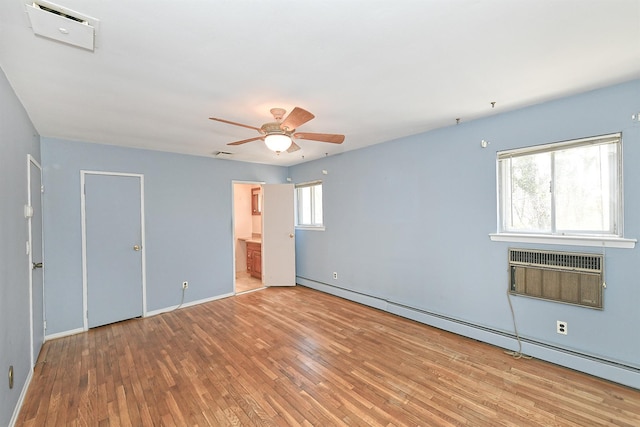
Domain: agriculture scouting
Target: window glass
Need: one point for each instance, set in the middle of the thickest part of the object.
(528, 198)
(304, 205)
(309, 204)
(569, 188)
(317, 204)
(585, 189)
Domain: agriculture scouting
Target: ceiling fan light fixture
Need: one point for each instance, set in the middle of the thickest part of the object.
(277, 142)
(279, 135)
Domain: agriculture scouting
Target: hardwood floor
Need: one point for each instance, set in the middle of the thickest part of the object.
(295, 356)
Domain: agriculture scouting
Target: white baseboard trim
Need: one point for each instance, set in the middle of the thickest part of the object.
(612, 371)
(187, 304)
(63, 334)
(148, 314)
(23, 393)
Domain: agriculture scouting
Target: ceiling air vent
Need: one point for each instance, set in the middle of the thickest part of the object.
(64, 25)
(60, 13)
(222, 155)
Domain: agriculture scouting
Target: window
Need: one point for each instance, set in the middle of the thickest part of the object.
(309, 203)
(571, 188)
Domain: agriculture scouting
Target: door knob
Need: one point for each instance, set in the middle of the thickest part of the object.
(291, 235)
(36, 265)
(136, 247)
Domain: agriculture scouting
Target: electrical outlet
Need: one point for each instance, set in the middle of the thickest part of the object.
(562, 327)
(335, 275)
(185, 285)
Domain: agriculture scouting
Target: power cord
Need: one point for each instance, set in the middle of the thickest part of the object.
(181, 299)
(516, 354)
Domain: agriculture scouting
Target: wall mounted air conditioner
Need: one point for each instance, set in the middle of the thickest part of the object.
(567, 277)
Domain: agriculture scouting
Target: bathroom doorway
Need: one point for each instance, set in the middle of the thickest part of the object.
(247, 215)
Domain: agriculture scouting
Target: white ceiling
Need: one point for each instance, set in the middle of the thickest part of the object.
(372, 70)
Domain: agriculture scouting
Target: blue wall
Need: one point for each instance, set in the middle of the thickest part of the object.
(18, 138)
(188, 219)
(408, 223)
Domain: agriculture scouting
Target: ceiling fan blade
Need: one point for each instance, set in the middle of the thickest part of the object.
(293, 147)
(244, 141)
(324, 137)
(296, 118)
(234, 123)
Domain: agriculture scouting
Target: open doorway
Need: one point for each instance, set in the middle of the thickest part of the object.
(247, 220)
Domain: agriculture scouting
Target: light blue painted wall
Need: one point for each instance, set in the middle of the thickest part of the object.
(407, 221)
(188, 219)
(18, 138)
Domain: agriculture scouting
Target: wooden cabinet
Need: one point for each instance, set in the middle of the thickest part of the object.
(254, 259)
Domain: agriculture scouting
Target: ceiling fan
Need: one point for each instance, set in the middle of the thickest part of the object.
(279, 135)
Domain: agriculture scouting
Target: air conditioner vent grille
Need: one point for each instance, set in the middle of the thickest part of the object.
(562, 260)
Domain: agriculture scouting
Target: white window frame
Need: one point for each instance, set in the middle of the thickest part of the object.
(578, 237)
(316, 226)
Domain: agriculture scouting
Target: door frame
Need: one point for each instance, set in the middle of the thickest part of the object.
(83, 174)
(31, 162)
(234, 238)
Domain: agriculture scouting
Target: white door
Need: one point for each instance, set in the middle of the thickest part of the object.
(278, 238)
(113, 247)
(34, 213)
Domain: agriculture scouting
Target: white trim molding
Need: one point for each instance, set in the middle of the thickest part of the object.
(310, 227)
(23, 394)
(596, 241)
(187, 304)
(83, 217)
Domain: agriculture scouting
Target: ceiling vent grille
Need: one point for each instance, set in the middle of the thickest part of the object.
(222, 154)
(59, 13)
(61, 24)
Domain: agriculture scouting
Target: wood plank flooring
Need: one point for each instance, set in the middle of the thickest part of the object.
(298, 357)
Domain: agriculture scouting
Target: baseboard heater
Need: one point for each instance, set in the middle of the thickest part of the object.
(510, 335)
(605, 368)
(566, 277)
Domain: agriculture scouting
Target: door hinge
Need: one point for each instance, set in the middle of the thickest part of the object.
(44, 324)
(42, 189)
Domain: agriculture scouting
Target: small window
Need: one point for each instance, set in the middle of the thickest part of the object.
(571, 188)
(309, 204)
